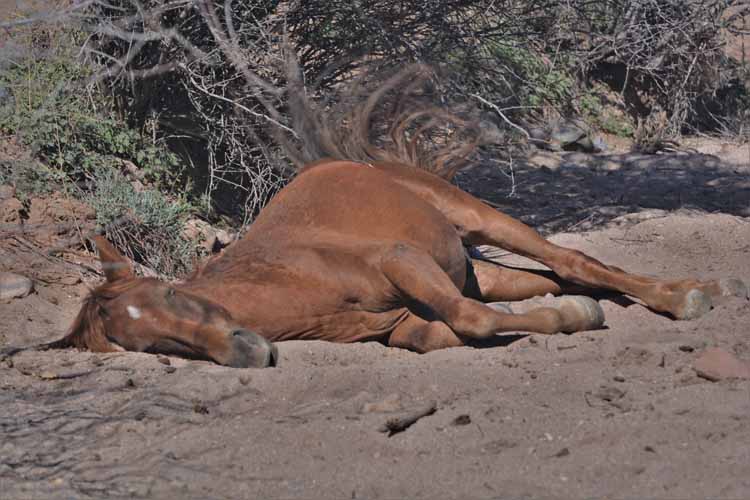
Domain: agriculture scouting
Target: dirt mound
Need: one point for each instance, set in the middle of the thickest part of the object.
(619, 412)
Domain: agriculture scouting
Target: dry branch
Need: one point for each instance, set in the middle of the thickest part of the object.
(400, 423)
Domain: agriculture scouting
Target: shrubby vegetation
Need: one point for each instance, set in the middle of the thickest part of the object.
(193, 93)
(81, 144)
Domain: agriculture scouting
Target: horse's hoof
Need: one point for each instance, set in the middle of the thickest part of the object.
(500, 307)
(732, 287)
(590, 315)
(696, 305)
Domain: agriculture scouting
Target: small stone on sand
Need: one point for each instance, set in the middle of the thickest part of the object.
(716, 364)
(14, 286)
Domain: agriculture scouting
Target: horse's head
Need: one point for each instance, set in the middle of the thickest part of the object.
(149, 315)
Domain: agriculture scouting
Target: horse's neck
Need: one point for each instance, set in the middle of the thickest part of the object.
(244, 291)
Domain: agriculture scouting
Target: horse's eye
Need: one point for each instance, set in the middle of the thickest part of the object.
(170, 292)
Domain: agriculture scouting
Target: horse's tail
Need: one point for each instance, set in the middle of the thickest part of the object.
(378, 117)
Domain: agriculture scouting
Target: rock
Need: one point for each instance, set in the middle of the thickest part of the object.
(14, 286)
(131, 170)
(544, 159)
(568, 132)
(200, 232)
(716, 364)
(200, 408)
(224, 238)
(461, 420)
(571, 135)
(540, 137)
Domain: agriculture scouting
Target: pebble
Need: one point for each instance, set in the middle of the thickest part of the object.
(163, 360)
(461, 420)
(618, 378)
(14, 286)
(200, 408)
(716, 364)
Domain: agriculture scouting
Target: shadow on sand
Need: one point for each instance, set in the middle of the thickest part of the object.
(581, 192)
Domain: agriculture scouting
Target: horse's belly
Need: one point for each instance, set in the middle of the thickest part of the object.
(345, 326)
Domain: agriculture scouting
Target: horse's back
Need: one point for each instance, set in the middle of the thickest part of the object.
(355, 206)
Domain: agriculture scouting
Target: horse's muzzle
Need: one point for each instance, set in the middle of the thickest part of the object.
(250, 350)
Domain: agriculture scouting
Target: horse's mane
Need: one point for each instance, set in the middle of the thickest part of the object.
(87, 331)
(353, 127)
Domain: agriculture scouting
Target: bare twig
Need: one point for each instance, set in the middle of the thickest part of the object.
(394, 425)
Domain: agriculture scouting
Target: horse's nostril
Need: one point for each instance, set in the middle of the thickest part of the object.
(241, 332)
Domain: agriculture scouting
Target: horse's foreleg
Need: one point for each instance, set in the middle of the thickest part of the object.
(419, 278)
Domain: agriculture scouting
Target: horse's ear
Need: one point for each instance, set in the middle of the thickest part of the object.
(115, 266)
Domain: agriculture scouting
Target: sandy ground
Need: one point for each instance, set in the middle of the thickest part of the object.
(615, 413)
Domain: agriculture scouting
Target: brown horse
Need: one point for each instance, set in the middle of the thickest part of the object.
(364, 250)
(380, 257)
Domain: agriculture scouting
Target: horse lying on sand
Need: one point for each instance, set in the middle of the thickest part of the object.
(385, 243)
(372, 249)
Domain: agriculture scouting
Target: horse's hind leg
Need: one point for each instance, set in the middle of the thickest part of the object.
(492, 282)
(492, 227)
(478, 224)
(684, 299)
(497, 281)
(419, 278)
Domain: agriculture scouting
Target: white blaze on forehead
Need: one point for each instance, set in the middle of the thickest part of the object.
(134, 312)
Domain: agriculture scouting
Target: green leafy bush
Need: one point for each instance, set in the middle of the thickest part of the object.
(80, 144)
(70, 125)
(146, 224)
(602, 116)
